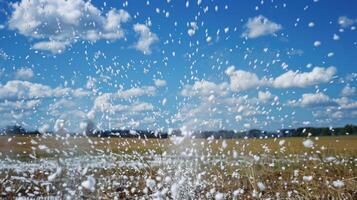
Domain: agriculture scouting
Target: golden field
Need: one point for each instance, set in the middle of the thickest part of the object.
(181, 168)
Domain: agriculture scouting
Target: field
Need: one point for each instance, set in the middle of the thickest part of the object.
(178, 168)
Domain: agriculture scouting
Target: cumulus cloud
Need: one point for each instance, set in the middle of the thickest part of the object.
(19, 105)
(205, 88)
(19, 101)
(264, 96)
(24, 73)
(241, 80)
(16, 89)
(104, 103)
(346, 103)
(52, 46)
(137, 91)
(348, 91)
(58, 107)
(60, 23)
(122, 103)
(217, 114)
(295, 79)
(140, 106)
(24, 90)
(146, 38)
(313, 100)
(345, 108)
(260, 26)
(216, 106)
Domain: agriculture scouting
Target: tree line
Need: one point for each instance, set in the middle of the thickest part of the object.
(348, 129)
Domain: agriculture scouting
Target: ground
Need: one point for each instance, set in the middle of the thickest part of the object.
(178, 168)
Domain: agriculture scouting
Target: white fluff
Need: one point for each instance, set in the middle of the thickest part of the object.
(219, 196)
(281, 142)
(308, 143)
(338, 184)
(307, 178)
(89, 184)
(261, 186)
(238, 192)
(150, 183)
(54, 175)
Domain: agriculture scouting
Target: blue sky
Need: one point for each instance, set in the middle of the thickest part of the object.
(204, 65)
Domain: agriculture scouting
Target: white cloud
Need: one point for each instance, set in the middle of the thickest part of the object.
(141, 106)
(160, 83)
(346, 22)
(24, 73)
(217, 114)
(348, 91)
(16, 89)
(61, 106)
(260, 26)
(295, 79)
(19, 100)
(102, 103)
(122, 102)
(264, 96)
(23, 90)
(106, 103)
(137, 91)
(241, 80)
(346, 103)
(79, 92)
(205, 88)
(313, 100)
(19, 105)
(343, 108)
(52, 46)
(60, 23)
(146, 38)
(216, 106)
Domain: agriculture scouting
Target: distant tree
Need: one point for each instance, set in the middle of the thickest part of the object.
(15, 129)
(351, 129)
(254, 133)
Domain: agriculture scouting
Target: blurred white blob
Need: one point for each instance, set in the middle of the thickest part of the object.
(261, 186)
(317, 43)
(338, 184)
(59, 126)
(308, 143)
(219, 196)
(307, 178)
(56, 174)
(89, 184)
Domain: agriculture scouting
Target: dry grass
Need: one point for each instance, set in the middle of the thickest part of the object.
(215, 168)
(22, 145)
